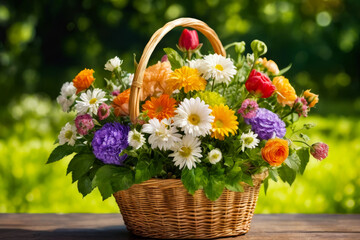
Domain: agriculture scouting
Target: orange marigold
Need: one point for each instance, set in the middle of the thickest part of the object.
(286, 94)
(154, 81)
(83, 80)
(275, 151)
(311, 98)
(224, 122)
(187, 78)
(271, 66)
(121, 103)
(160, 108)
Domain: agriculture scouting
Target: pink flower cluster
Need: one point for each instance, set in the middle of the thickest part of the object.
(248, 108)
(319, 150)
(103, 111)
(84, 123)
(301, 106)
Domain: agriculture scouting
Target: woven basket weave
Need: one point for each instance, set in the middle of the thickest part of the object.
(162, 208)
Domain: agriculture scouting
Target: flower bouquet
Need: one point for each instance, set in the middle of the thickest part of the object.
(185, 144)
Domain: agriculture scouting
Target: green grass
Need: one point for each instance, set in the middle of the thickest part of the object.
(28, 185)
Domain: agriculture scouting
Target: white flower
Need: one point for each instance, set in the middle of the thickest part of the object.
(249, 140)
(193, 117)
(218, 67)
(197, 64)
(128, 79)
(67, 96)
(67, 135)
(113, 63)
(163, 134)
(187, 152)
(215, 156)
(136, 139)
(90, 101)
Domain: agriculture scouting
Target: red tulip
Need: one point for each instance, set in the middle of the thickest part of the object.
(259, 84)
(189, 40)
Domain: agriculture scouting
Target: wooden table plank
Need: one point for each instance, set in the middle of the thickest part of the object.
(111, 226)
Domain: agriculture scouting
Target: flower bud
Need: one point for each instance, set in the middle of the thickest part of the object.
(189, 40)
(164, 58)
(319, 150)
(240, 47)
(258, 47)
(301, 107)
(259, 84)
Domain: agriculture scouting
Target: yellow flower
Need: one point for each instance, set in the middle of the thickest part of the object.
(187, 78)
(286, 94)
(224, 122)
(271, 66)
(311, 98)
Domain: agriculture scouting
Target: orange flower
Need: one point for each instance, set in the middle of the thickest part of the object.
(275, 151)
(154, 82)
(187, 78)
(311, 98)
(121, 103)
(271, 66)
(160, 108)
(286, 94)
(83, 80)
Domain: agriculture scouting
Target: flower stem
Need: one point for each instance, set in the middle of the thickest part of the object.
(301, 142)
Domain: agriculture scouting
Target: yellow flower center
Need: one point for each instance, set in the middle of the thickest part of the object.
(185, 151)
(219, 67)
(93, 100)
(219, 123)
(136, 137)
(159, 109)
(194, 119)
(248, 140)
(68, 134)
(215, 156)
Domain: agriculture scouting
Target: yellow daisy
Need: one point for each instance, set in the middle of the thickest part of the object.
(187, 78)
(224, 122)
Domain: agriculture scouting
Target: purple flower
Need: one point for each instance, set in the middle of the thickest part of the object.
(103, 111)
(164, 58)
(301, 106)
(319, 150)
(84, 123)
(109, 141)
(248, 108)
(266, 124)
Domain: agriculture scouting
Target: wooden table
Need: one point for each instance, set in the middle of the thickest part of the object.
(111, 226)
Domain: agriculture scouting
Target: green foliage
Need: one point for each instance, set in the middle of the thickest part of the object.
(174, 58)
(194, 179)
(60, 152)
(80, 165)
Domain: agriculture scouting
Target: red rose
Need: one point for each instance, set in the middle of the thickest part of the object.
(189, 40)
(259, 84)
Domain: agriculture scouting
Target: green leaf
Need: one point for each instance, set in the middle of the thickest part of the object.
(174, 57)
(273, 174)
(228, 161)
(84, 185)
(60, 152)
(142, 171)
(193, 179)
(266, 185)
(304, 156)
(123, 179)
(304, 136)
(293, 161)
(155, 167)
(80, 164)
(215, 187)
(284, 70)
(287, 174)
(233, 179)
(247, 179)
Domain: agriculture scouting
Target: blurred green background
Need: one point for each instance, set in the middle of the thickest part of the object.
(46, 43)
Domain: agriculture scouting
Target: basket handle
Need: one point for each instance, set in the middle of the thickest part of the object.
(202, 27)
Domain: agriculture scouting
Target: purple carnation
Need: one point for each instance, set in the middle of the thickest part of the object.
(109, 141)
(266, 123)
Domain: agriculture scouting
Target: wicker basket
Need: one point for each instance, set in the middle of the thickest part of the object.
(163, 208)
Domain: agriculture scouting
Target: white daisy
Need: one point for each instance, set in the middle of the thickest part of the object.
(90, 101)
(215, 156)
(197, 64)
(187, 152)
(249, 140)
(219, 68)
(67, 96)
(113, 63)
(67, 135)
(163, 134)
(136, 139)
(193, 117)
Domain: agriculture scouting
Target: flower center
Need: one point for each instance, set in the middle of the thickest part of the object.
(248, 140)
(194, 119)
(159, 109)
(93, 100)
(185, 151)
(68, 134)
(215, 155)
(136, 137)
(219, 123)
(219, 67)
(103, 111)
